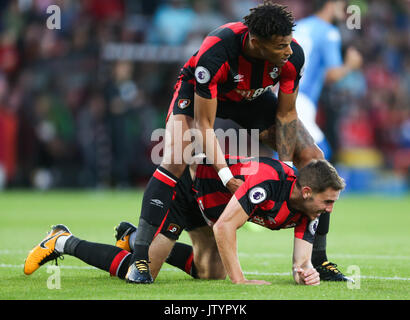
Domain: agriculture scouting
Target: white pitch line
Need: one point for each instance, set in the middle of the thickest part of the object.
(288, 274)
(20, 266)
(270, 255)
(334, 255)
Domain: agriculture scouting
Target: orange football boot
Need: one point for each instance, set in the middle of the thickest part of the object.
(122, 235)
(45, 251)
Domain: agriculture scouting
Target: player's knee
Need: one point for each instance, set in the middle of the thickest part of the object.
(210, 266)
(212, 273)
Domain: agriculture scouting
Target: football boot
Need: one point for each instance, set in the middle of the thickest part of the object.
(328, 271)
(45, 250)
(122, 235)
(139, 272)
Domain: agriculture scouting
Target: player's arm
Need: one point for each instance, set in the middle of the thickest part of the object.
(286, 114)
(286, 124)
(331, 51)
(302, 268)
(352, 62)
(205, 113)
(232, 218)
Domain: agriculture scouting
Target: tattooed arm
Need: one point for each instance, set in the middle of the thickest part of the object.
(286, 125)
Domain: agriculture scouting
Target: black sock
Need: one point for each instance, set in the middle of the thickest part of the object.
(181, 257)
(156, 202)
(319, 255)
(319, 245)
(103, 256)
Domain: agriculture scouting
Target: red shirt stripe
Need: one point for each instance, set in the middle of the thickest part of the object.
(164, 178)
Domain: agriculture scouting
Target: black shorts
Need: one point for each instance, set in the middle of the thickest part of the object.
(184, 213)
(259, 113)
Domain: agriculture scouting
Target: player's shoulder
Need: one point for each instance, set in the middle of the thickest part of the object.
(273, 167)
(333, 33)
(229, 30)
(224, 41)
(298, 56)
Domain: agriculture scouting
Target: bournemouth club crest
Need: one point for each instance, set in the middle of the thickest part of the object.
(274, 73)
(183, 103)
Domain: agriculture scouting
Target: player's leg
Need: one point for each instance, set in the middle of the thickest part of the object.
(159, 193)
(160, 190)
(181, 255)
(306, 150)
(61, 241)
(206, 256)
(113, 259)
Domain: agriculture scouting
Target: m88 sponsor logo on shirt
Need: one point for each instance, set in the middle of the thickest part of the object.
(253, 93)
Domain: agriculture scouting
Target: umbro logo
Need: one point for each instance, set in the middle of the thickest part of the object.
(238, 78)
(157, 202)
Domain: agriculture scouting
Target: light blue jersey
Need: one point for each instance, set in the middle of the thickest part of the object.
(321, 43)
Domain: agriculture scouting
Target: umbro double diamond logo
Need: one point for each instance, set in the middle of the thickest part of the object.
(157, 202)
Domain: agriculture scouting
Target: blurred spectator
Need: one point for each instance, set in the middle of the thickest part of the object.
(171, 23)
(131, 118)
(70, 118)
(8, 136)
(93, 136)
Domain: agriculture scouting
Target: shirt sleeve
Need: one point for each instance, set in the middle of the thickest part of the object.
(306, 229)
(253, 194)
(292, 70)
(211, 67)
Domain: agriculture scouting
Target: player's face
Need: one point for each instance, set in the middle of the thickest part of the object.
(339, 10)
(276, 50)
(319, 203)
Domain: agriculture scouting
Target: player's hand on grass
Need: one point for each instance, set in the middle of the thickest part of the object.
(309, 277)
(234, 184)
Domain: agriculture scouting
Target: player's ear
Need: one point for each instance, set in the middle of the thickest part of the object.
(255, 41)
(306, 192)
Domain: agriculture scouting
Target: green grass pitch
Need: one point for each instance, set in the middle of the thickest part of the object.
(369, 234)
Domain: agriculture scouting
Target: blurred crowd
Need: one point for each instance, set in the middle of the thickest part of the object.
(70, 117)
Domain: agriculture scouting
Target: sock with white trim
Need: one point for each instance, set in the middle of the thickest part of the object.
(158, 196)
(60, 243)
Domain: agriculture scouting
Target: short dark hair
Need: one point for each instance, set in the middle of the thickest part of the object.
(319, 4)
(320, 175)
(268, 19)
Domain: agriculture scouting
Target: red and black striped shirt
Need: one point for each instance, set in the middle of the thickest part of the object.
(219, 69)
(264, 195)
